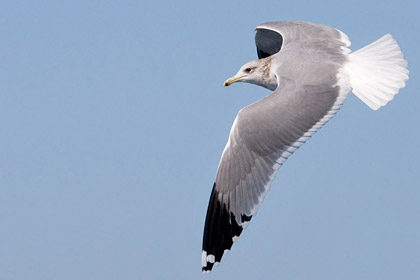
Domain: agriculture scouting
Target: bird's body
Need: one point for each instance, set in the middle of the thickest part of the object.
(310, 70)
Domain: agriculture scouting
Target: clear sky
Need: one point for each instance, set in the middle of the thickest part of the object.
(113, 119)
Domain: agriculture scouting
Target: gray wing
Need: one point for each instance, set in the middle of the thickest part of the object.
(262, 137)
(267, 132)
(270, 37)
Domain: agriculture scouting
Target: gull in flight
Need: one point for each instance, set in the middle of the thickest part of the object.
(310, 70)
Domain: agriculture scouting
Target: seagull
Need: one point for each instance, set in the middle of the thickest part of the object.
(310, 71)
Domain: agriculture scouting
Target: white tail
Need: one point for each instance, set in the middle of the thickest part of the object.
(377, 72)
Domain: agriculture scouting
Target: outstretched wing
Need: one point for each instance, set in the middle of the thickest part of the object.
(262, 137)
(271, 37)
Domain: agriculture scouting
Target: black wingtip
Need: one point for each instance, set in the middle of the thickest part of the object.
(220, 231)
(268, 42)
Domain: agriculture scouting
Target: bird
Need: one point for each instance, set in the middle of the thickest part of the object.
(310, 70)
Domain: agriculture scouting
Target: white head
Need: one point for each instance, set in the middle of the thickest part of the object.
(255, 72)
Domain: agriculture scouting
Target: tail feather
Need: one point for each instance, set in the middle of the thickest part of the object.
(377, 72)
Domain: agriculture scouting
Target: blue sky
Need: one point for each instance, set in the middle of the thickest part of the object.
(113, 119)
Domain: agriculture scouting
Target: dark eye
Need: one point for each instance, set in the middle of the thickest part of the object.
(248, 70)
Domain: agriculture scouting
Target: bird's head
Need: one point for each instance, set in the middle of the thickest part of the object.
(255, 72)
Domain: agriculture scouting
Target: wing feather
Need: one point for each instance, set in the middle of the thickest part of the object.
(259, 142)
(267, 132)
